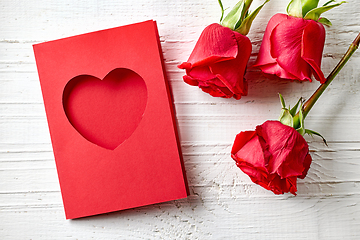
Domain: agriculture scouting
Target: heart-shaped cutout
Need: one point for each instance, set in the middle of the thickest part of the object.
(106, 112)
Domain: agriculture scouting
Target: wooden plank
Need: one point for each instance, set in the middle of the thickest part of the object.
(224, 203)
(313, 218)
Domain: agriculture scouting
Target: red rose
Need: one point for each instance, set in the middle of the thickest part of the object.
(292, 48)
(274, 156)
(218, 62)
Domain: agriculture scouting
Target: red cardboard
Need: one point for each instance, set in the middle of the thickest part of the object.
(111, 120)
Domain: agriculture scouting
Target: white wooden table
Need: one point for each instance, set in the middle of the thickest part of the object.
(224, 203)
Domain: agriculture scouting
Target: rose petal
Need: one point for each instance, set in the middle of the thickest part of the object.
(258, 178)
(252, 154)
(215, 90)
(184, 65)
(241, 139)
(249, 158)
(231, 73)
(307, 163)
(312, 47)
(286, 39)
(275, 69)
(281, 186)
(286, 146)
(264, 56)
(291, 185)
(216, 43)
(230, 78)
(191, 81)
(200, 73)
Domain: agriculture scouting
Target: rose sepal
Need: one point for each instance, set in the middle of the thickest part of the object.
(246, 23)
(234, 18)
(311, 133)
(315, 13)
(222, 10)
(288, 114)
(298, 8)
(325, 21)
(239, 19)
(308, 9)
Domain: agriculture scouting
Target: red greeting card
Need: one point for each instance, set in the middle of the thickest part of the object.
(111, 120)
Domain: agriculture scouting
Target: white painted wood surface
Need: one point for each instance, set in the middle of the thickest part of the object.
(224, 203)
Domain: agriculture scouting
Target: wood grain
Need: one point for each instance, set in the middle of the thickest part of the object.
(224, 203)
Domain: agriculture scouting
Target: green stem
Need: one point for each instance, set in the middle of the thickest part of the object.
(312, 100)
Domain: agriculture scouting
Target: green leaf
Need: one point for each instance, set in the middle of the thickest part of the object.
(234, 16)
(315, 13)
(294, 8)
(244, 28)
(325, 21)
(222, 10)
(311, 132)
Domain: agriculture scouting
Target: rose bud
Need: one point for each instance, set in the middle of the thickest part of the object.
(293, 44)
(218, 62)
(273, 156)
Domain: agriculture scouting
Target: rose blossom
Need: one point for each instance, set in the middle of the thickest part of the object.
(292, 48)
(274, 156)
(218, 62)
